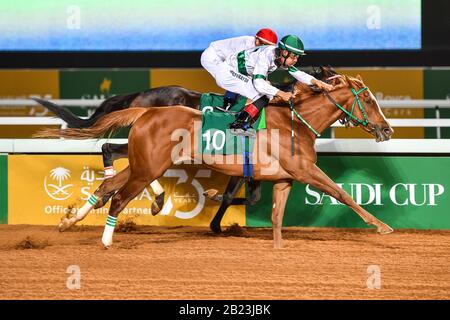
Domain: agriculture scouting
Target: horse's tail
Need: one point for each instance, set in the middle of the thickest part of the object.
(109, 105)
(108, 123)
(193, 99)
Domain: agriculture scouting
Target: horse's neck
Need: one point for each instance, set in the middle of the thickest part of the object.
(320, 112)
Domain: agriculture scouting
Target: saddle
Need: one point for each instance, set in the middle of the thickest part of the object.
(216, 136)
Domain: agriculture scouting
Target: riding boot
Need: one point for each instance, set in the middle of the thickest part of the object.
(242, 125)
(229, 99)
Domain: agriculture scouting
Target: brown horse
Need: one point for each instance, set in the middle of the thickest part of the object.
(157, 97)
(154, 145)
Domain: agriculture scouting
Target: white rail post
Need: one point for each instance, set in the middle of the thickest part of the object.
(438, 129)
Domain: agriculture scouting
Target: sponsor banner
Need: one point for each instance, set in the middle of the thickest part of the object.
(193, 79)
(405, 192)
(101, 84)
(3, 188)
(390, 84)
(436, 87)
(41, 188)
(22, 84)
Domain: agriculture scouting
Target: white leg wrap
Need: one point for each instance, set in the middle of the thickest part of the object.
(156, 187)
(109, 172)
(84, 210)
(109, 231)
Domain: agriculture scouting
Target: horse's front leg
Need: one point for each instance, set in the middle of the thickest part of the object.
(313, 175)
(280, 195)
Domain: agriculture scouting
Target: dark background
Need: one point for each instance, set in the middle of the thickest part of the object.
(435, 52)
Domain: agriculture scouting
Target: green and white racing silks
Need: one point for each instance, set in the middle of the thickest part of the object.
(258, 63)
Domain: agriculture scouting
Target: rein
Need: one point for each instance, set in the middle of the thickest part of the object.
(349, 117)
(299, 117)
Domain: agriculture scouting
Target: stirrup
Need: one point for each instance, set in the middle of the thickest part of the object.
(242, 125)
(242, 132)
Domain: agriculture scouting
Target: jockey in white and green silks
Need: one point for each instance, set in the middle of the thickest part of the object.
(246, 73)
(219, 50)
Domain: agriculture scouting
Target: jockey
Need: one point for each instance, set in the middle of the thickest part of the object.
(246, 72)
(217, 52)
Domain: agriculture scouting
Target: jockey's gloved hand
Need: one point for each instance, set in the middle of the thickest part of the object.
(322, 85)
(285, 96)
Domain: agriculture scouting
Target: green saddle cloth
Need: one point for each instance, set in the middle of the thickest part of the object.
(215, 136)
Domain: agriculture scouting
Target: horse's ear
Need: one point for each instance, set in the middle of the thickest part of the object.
(332, 70)
(359, 77)
(317, 71)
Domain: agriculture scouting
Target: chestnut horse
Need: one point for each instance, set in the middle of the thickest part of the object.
(157, 97)
(154, 146)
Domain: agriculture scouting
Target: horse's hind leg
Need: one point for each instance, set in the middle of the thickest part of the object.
(110, 153)
(107, 186)
(129, 191)
(233, 187)
(158, 190)
(254, 188)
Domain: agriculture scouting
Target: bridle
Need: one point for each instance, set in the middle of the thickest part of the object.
(349, 115)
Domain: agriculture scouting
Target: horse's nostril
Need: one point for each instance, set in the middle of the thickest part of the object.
(388, 131)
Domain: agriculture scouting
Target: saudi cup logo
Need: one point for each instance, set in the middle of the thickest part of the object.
(55, 187)
(187, 198)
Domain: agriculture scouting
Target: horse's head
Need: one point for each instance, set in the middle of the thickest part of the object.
(324, 73)
(362, 109)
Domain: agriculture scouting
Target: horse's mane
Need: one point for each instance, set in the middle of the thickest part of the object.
(303, 91)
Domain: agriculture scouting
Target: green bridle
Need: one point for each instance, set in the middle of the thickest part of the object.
(350, 115)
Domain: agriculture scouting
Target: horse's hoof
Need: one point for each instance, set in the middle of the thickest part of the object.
(277, 244)
(215, 228)
(385, 229)
(218, 198)
(66, 224)
(158, 204)
(210, 193)
(106, 244)
(213, 195)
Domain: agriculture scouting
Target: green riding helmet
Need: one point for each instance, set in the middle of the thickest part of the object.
(292, 44)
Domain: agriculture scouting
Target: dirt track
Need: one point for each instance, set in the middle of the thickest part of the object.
(192, 263)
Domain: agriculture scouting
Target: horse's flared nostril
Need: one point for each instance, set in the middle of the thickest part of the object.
(387, 131)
